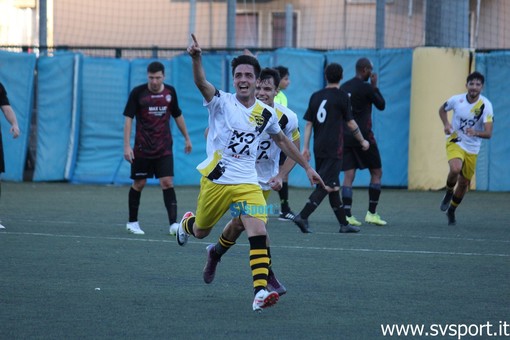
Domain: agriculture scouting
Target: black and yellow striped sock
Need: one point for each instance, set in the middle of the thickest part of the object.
(269, 255)
(223, 245)
(187, 225)
(455, 202)
(259, 262)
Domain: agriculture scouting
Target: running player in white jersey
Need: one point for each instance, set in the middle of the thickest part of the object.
(472, 120)
(268, 173)
(236, 124)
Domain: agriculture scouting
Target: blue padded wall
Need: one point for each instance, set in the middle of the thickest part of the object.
(494, 157)
(56, 96)
(81, 100)
(391, 126)
(104, 95)
(306, 69)
(17, 76)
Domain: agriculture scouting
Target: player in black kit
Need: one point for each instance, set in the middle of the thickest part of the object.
(327, 110)
(363, 95)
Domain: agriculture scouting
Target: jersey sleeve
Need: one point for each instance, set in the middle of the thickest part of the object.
(216, 103)
(449, 104)
(132, 104)
(273, 127)
(309, 114)
(3, 96)
(347, 108)
(377, 98)
(488, 115)
(175, 109)
(292, 131)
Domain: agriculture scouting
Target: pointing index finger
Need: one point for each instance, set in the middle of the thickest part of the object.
(194, 38)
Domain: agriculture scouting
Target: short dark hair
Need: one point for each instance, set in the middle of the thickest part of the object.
(246, 60)
(156, 66)
(476, 75)
(334, 73)
(268, 73)
(362, 63)
(282, 70)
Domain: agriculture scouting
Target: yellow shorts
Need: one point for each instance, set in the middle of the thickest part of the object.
(266, 194)
(214, 200)
(468, 159)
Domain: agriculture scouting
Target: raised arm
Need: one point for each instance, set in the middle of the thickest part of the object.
(377, 97)
(206, 88)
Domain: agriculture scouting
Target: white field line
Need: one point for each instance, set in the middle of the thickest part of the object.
(339, 249)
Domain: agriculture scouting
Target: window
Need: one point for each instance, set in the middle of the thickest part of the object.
(247, 29)
(278, 25)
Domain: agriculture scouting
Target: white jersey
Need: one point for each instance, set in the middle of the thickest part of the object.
(269, 153)
(233, 138)
(468, 115)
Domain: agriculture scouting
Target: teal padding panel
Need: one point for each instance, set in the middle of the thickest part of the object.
(482, 162)
(54, 115)
(306, 69)
(195, 114)
(493, 159)
(391, 126)
(266, 59)
(17, 76)
(104, 95)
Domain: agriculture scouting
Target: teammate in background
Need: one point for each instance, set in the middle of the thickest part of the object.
(327, 110)
(270, 176)
(286, 213)
(472, 120)
(281, 98)
(152, 104)
(9, 114)
(236, 124)
(363, 95)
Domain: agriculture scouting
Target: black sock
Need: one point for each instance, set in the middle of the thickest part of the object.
(450, 187)
(374, 191)
(170, 204)
(133, 204)
(336, 204)
(187, 224)
(347, 198)
(223, 245)
(284, 197)
(313, 202)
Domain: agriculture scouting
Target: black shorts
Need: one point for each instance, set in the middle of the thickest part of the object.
(152, 167)
(283, 157)
(355, 158)
(329, 170)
